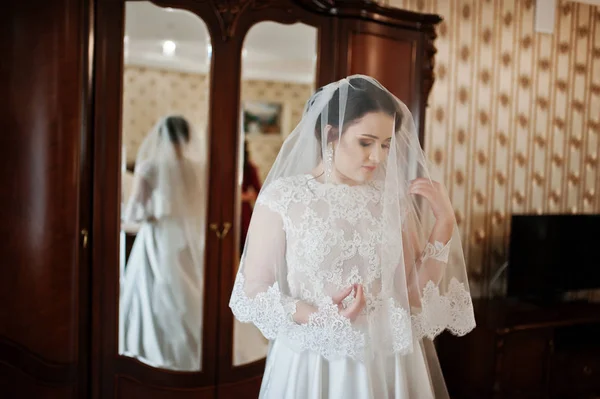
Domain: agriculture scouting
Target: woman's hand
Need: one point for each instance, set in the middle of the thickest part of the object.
(357, 305)
(438, 198)
(340, 296)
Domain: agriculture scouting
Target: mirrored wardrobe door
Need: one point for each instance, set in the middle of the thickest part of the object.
(164, 175)
(278, 78)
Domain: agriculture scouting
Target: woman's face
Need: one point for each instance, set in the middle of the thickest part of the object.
(363, 147)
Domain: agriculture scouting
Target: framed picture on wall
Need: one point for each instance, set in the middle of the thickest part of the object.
(262, 117)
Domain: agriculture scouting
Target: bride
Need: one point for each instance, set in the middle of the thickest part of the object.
(161, 290)
(353, 261)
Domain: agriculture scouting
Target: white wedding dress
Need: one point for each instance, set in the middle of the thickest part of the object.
(307, 241)
(161, 300)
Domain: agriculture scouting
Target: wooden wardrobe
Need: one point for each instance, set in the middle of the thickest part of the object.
(60, 152)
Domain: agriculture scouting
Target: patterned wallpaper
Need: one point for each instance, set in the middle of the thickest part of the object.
(263, 149)
(514, 117)
(150, 93)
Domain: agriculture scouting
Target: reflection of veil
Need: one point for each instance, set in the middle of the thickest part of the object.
(169, 201)
(376, 234)
(168, 164)
(169, 179)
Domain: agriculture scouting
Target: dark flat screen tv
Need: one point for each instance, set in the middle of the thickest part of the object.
(550, 255)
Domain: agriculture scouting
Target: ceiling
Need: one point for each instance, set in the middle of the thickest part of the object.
(271, 51)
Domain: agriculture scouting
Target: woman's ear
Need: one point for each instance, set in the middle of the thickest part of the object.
(331, 133)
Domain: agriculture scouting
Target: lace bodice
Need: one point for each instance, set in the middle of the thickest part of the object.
(332, 237)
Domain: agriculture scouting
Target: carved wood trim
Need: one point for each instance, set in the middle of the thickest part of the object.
(429, 64)
(370, 10)
(228, 12)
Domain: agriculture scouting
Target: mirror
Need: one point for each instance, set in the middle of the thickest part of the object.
(164, 186)
(278, 77)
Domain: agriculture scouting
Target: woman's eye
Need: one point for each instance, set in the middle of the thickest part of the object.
(386, 146)
(365, 143)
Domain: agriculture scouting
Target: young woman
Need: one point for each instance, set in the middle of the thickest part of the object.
(161, 290)
(353, 260)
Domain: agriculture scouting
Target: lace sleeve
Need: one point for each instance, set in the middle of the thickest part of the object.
(437, 285)
(436, 251)
(326, 332)
(270, 311)
(445, 302)
(257, 293)
(138, 207)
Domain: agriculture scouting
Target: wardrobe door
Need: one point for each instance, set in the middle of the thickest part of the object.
(44, 162)
(278, 78)
(400, 57)
(278, 57)
(155, 302)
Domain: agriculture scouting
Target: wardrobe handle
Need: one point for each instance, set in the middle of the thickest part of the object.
(223, 232)
(226, 228)
(215, 227)
(84, 234)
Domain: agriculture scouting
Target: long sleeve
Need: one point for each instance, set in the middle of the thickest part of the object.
(137, 208)
(438, 292)
(425, 264)
(257, 294)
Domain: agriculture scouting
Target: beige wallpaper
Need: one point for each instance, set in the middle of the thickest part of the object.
(149, 94)
(514, 117)
(264, 148)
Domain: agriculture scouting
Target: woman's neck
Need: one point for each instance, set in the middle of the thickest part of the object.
(178, 153)
(336, 177)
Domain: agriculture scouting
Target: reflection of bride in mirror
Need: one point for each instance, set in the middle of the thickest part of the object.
(161, 290)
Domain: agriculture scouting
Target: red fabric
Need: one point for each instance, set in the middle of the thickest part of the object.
(249, 181)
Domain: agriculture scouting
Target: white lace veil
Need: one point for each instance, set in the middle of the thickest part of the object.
(312, 235)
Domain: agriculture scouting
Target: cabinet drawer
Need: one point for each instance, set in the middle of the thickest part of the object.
(575, 374)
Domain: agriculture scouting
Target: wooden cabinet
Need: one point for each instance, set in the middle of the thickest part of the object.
(521, 350)
(60, 156)
(399, 57)
(44, 175)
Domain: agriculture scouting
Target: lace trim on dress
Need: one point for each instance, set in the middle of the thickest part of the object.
(327, 332)
(452, 311)
(267, 311)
